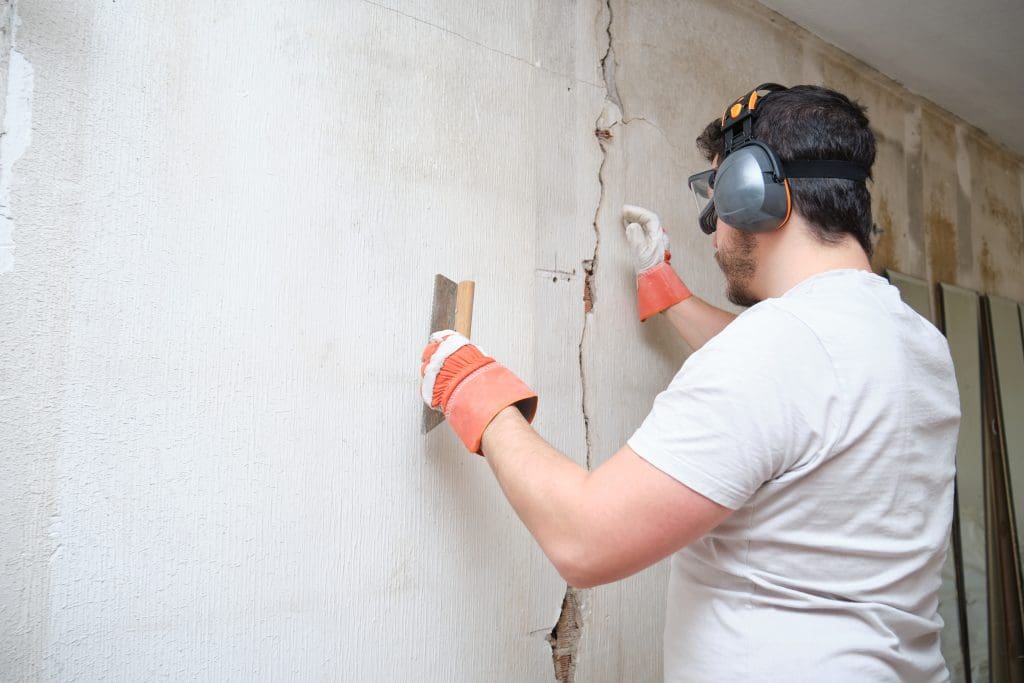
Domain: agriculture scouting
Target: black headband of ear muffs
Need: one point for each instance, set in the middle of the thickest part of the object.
(738, 131)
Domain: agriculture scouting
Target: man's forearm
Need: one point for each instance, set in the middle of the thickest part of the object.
(697, 321)
(545, 487)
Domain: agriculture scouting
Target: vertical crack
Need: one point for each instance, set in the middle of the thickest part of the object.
(608, 62)
(589, 292)
(609, 116)
(565, 636)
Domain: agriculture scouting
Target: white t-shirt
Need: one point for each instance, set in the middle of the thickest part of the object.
(827, 419)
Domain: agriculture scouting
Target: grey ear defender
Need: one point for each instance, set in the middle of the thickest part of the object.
(751, 191)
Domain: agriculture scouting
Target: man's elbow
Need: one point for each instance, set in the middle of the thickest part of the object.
(584, 579)
(584, 567)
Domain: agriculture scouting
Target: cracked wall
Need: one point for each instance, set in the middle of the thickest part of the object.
(223, 264)
(937, 220)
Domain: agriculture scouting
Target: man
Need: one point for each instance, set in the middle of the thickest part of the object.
(799, 467)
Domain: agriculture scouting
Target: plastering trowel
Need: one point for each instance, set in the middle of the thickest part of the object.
(452, 310)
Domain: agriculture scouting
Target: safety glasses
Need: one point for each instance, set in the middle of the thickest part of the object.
(703, 187)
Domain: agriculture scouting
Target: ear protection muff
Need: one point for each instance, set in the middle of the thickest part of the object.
(750, 187)
(751, 191)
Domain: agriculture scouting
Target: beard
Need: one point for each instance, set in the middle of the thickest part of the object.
(739, 265)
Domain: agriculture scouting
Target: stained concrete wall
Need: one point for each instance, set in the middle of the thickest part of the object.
(225, 221)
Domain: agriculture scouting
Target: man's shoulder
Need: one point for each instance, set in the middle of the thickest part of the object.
(771, 320)
(765, 336)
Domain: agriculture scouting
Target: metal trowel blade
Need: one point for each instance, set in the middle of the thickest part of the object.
(442, 317)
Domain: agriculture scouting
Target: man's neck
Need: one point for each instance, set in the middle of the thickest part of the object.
(793, 254)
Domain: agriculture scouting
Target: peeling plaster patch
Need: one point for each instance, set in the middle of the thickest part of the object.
(588, 292)
(17, 135)
(565, 637)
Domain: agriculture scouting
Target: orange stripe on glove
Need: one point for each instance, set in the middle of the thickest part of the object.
(659, 288)
(470, 387)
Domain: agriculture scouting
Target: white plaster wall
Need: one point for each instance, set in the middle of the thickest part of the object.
(227, 227)
(225, 224)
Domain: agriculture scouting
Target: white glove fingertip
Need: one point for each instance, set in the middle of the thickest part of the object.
(630, 213)
(638, 214)
(636, 236)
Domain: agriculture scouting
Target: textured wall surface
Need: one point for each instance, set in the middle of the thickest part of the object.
(221, 222)
(227, 227)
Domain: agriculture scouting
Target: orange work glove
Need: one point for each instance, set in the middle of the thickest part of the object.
(657, 285)
(469, 387)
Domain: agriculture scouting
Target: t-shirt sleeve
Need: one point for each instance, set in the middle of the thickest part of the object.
(754, 402)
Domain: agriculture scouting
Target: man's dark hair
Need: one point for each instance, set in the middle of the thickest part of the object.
(811, 122)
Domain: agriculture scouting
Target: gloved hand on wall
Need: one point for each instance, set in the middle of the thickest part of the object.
(470, 387)
(657, 285)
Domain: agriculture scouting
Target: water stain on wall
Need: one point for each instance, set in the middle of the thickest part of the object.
(942, 247)
(999, 211)
(1008, 218)
(986, 269)
(885, 253)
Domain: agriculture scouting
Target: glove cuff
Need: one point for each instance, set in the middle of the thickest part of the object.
(481, 396)
(659, 288)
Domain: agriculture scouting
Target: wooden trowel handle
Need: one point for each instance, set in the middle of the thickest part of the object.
(464, 307)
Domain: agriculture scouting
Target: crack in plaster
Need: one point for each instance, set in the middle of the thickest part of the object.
(535, 65)
(565, 636)
(608, 62)
(611, 108)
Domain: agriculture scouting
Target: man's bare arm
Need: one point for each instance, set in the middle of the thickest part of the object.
(599, 526)
(697, 321)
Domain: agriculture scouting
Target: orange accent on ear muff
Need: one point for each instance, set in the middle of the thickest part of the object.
(736, 110)
(753, 101)
(789, 203)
